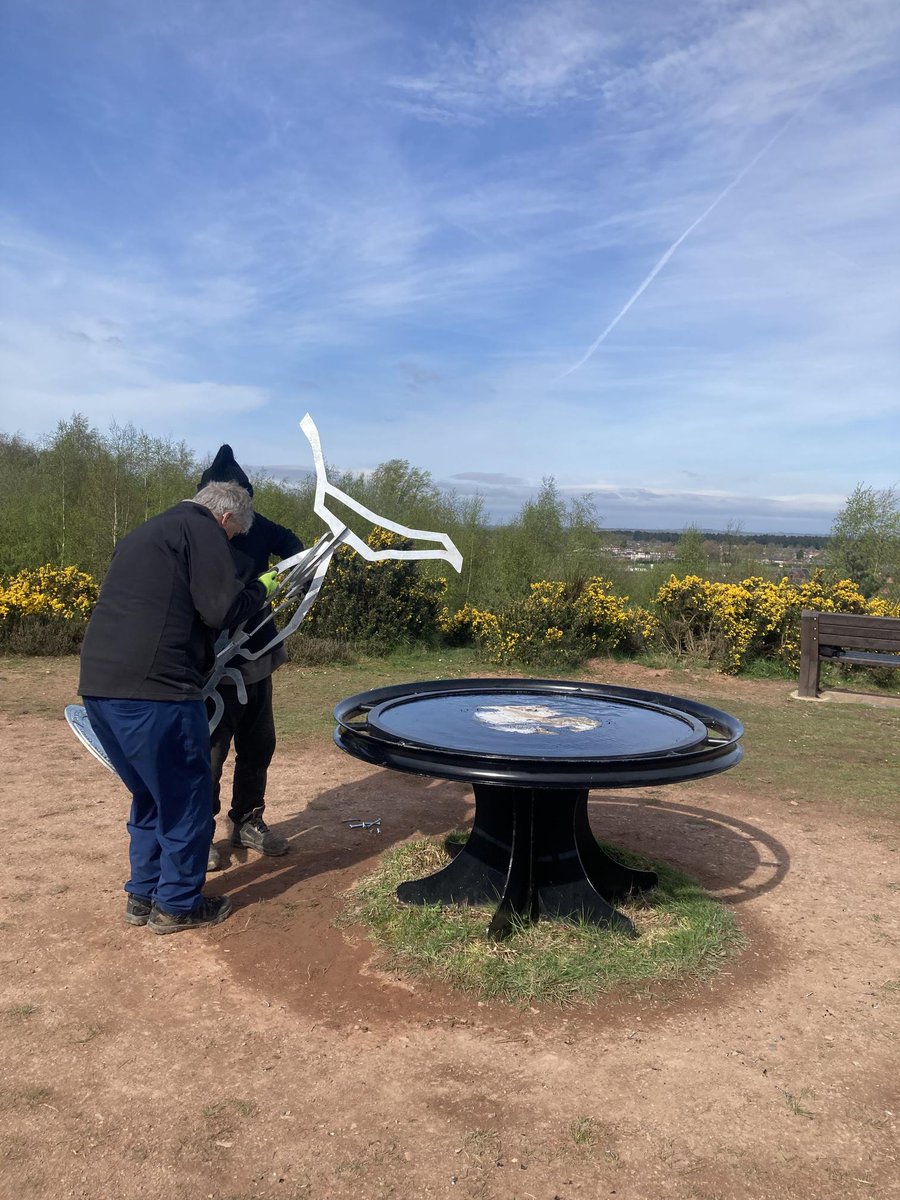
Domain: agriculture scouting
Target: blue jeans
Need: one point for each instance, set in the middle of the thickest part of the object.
(160, 750)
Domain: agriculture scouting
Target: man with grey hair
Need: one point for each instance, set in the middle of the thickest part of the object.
(149, 647)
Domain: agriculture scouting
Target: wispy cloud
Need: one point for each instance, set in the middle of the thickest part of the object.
(518, 56)
(115, 346)
(489, 477)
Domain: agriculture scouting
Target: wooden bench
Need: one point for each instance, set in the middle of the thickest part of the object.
(845, 638)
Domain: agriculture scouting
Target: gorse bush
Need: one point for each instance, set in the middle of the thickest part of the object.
(45, 610)
(609, 622)
(376, 605)
(729, 624)
(48, 591)
(555, 624)
(466, 626)
(725, 624)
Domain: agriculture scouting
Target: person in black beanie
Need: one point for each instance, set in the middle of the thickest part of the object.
(250, 726)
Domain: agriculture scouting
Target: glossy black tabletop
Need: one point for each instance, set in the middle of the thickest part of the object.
(536, 724)
(543, 733)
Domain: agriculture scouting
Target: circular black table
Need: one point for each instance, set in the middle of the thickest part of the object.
(532, 750)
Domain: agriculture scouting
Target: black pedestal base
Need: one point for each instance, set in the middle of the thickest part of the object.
(532, 850)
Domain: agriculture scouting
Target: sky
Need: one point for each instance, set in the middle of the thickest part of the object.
(651, 250)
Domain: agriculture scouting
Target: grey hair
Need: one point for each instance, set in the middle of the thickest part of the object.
(222, 498)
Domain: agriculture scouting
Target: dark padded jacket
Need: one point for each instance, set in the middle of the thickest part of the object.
(253, 551)
(171, 586)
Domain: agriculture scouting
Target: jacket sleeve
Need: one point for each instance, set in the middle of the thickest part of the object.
(218, 594)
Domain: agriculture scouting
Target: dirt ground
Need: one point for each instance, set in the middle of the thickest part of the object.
(269, 1057)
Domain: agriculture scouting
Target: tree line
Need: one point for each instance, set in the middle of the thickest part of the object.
(817, 541)
(67, 498)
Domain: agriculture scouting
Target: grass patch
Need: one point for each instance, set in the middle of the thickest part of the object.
(21, 1010)
(481, 1143)
(841, 754)
(882, 680)
(305, 651)
(657, 659)
(90, 1033)
(584, 1132)
(243, 1108)
(795, 1102)
(684, 934)
(767, 668)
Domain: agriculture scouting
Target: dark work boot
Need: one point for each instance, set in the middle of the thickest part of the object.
(255, 834)
(214, 861)
(210, 911)
(137, 910)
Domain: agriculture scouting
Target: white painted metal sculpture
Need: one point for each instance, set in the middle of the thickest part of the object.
(302, 573)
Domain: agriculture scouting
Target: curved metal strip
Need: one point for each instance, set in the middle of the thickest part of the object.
(450, 553)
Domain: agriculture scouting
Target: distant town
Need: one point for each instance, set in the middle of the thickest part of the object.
(794, 554)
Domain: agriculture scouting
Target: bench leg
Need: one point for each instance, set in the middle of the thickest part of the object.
(809, 657)
(809, 677)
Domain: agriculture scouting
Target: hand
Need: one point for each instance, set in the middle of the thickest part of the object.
(269, 580)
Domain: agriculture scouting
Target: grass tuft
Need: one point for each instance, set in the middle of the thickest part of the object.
(584, 1132)
(244, 1108)
(481, 1143)
(795, 1102)
(21, 1010)
(309, 651)
(683, 933)
(90, 1033)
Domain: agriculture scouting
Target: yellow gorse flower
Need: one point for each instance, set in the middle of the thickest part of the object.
(731, 622)
(47, 591)
(555, 621)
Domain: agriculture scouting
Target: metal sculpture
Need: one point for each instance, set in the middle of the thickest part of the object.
(302, 573)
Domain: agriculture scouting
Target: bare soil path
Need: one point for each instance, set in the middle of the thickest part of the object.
(269, 1056)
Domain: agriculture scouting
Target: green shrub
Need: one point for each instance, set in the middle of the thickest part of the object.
(376, 605)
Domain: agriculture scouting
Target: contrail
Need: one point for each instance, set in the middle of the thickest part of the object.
(598, 342)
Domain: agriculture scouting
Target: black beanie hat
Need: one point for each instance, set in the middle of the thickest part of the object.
(224, 469)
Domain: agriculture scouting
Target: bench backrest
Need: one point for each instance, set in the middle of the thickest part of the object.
(853, 632)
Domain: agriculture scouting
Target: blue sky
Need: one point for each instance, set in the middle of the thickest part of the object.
(417, 221)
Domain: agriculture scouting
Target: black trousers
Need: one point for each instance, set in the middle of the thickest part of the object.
(251, 727)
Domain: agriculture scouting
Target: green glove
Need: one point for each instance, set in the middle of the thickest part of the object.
(269, 580)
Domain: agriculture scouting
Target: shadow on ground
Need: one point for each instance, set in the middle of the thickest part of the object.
(732, 858)
(322, 841)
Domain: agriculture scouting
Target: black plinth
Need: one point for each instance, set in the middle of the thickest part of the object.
(532, 749)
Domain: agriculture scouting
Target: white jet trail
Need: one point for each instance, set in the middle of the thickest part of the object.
(595, 345)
